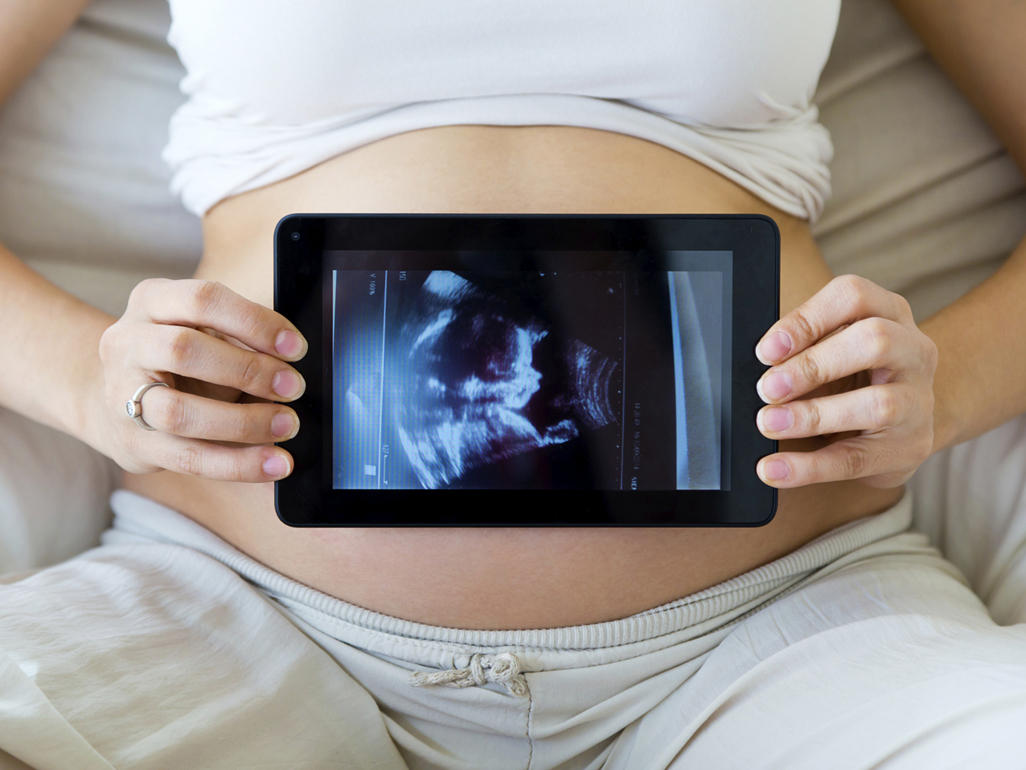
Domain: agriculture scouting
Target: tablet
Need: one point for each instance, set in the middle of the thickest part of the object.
(527, 369)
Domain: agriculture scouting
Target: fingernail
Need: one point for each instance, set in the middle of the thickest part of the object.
(773, 386)
(284, 424)
(775, 470)
(287, 384)
(776, 418)
(288, 343)
(276, 466)
(773, 348)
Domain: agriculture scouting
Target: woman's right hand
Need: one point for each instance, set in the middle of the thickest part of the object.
(223, 356)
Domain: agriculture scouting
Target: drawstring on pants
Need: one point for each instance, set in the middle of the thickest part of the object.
(503, 667)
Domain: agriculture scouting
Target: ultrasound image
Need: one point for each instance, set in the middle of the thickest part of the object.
(446, 380)
(474, 392)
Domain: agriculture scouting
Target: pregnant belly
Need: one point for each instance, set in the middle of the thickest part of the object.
(500, 577)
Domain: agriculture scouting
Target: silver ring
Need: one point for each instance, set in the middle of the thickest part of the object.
(134, 405)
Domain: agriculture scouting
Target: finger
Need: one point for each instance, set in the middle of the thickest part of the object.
(872, 408)
(225, 337)
(213, 461)
(851, 458)
(191, 416)
(219, 392)
(844, 300)
(872, 343)
(199, 303)
(191, 353)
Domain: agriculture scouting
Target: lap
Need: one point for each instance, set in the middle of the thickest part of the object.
(889, 662)
(156, 655)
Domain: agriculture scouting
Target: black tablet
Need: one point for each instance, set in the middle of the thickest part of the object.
(527, 369)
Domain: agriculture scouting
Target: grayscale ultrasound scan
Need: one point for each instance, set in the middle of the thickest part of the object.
(590, 379)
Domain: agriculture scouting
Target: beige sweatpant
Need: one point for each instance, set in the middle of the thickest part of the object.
(167, 648)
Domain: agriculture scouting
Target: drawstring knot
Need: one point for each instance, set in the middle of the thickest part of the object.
(503, 667)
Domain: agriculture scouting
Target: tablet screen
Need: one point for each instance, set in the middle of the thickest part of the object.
(556, 377)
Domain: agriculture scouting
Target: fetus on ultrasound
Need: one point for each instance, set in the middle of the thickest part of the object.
(484, 381)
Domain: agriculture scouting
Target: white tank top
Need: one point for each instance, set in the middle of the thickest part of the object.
(274, 88)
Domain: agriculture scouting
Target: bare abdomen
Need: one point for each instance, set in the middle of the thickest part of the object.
(545, 577)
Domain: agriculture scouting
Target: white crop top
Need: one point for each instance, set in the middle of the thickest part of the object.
(273, 88)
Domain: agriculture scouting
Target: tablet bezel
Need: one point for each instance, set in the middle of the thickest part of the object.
(306, 497)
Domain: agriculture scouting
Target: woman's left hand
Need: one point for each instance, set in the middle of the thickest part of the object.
(855, 337)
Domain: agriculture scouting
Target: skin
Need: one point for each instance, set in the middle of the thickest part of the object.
(980, 379)
(551, 576)
(884, 428)
(946, 381)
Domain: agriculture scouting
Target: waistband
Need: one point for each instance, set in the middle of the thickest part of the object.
(140, 519)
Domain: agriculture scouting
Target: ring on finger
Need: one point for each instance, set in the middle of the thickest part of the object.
(134, 405)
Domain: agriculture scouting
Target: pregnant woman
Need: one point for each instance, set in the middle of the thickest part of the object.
(206, 633)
